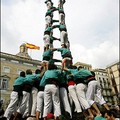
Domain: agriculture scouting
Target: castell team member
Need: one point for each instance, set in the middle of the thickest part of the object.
(49, 4)
(81, 87)
(60, 3)
(72, 87)
(61, 16)
(50, 81)
(49, 16)
(64, 93)
(47, 34)
(25, 106)
(94, 90)
(40, 98)
(35, 87)
(47, 55)
(16, 95)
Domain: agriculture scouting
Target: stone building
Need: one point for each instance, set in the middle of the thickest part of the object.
(114, 75)
(11, 66)
(109, 87)
(104, 80)
(84, 65)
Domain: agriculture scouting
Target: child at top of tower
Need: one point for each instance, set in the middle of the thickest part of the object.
(60, 3)
(49, 4)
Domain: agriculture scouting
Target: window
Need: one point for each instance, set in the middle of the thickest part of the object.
(2, 59)
(28, 64)
(6, 69)
(14, 61)
(38, 66)
(4, 84)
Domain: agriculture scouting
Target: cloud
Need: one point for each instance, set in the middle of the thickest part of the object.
(92, 28)
(99, 56)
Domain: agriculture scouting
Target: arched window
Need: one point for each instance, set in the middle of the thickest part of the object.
(4, 82)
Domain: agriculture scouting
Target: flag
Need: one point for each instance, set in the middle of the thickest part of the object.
(31, 46)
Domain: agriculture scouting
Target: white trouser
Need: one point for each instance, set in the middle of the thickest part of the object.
(48, 20)
(40, 101)
(73, 94)
(51, 95)
(65, 100)
(46, 39)
(12, 105)
(64, 37)
(34, 101)
(81, 93)
(24, 106)
(62, 18)
(94, 90)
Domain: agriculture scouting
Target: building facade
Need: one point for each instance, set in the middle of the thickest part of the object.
(84, 65)
(108, 79)
(102, 77)
(11, 66)
(114, 75)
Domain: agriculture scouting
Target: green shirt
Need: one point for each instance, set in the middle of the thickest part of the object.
(50, 11)
(50, 74)
(63, 79)
(99, 118)
(71, 71)
(36, 81)
(64, 51)
(48, 29)
(19, 81)
(37, 77)
(61, 10)
(29, 79)
(82, 74)
(48, 53)
(61, 27)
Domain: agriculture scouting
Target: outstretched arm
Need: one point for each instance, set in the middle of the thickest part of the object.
(53, 9)
(43, 71)
(53, 49)
(55, 26)
(66, 69)
(55, 38)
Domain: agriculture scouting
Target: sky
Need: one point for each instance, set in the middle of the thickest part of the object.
(92, 25)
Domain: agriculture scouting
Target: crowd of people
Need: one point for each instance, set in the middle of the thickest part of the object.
(56, 93)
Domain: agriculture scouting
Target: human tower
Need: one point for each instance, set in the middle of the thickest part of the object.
(49, 18)
(52, 92)
(48, 38)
